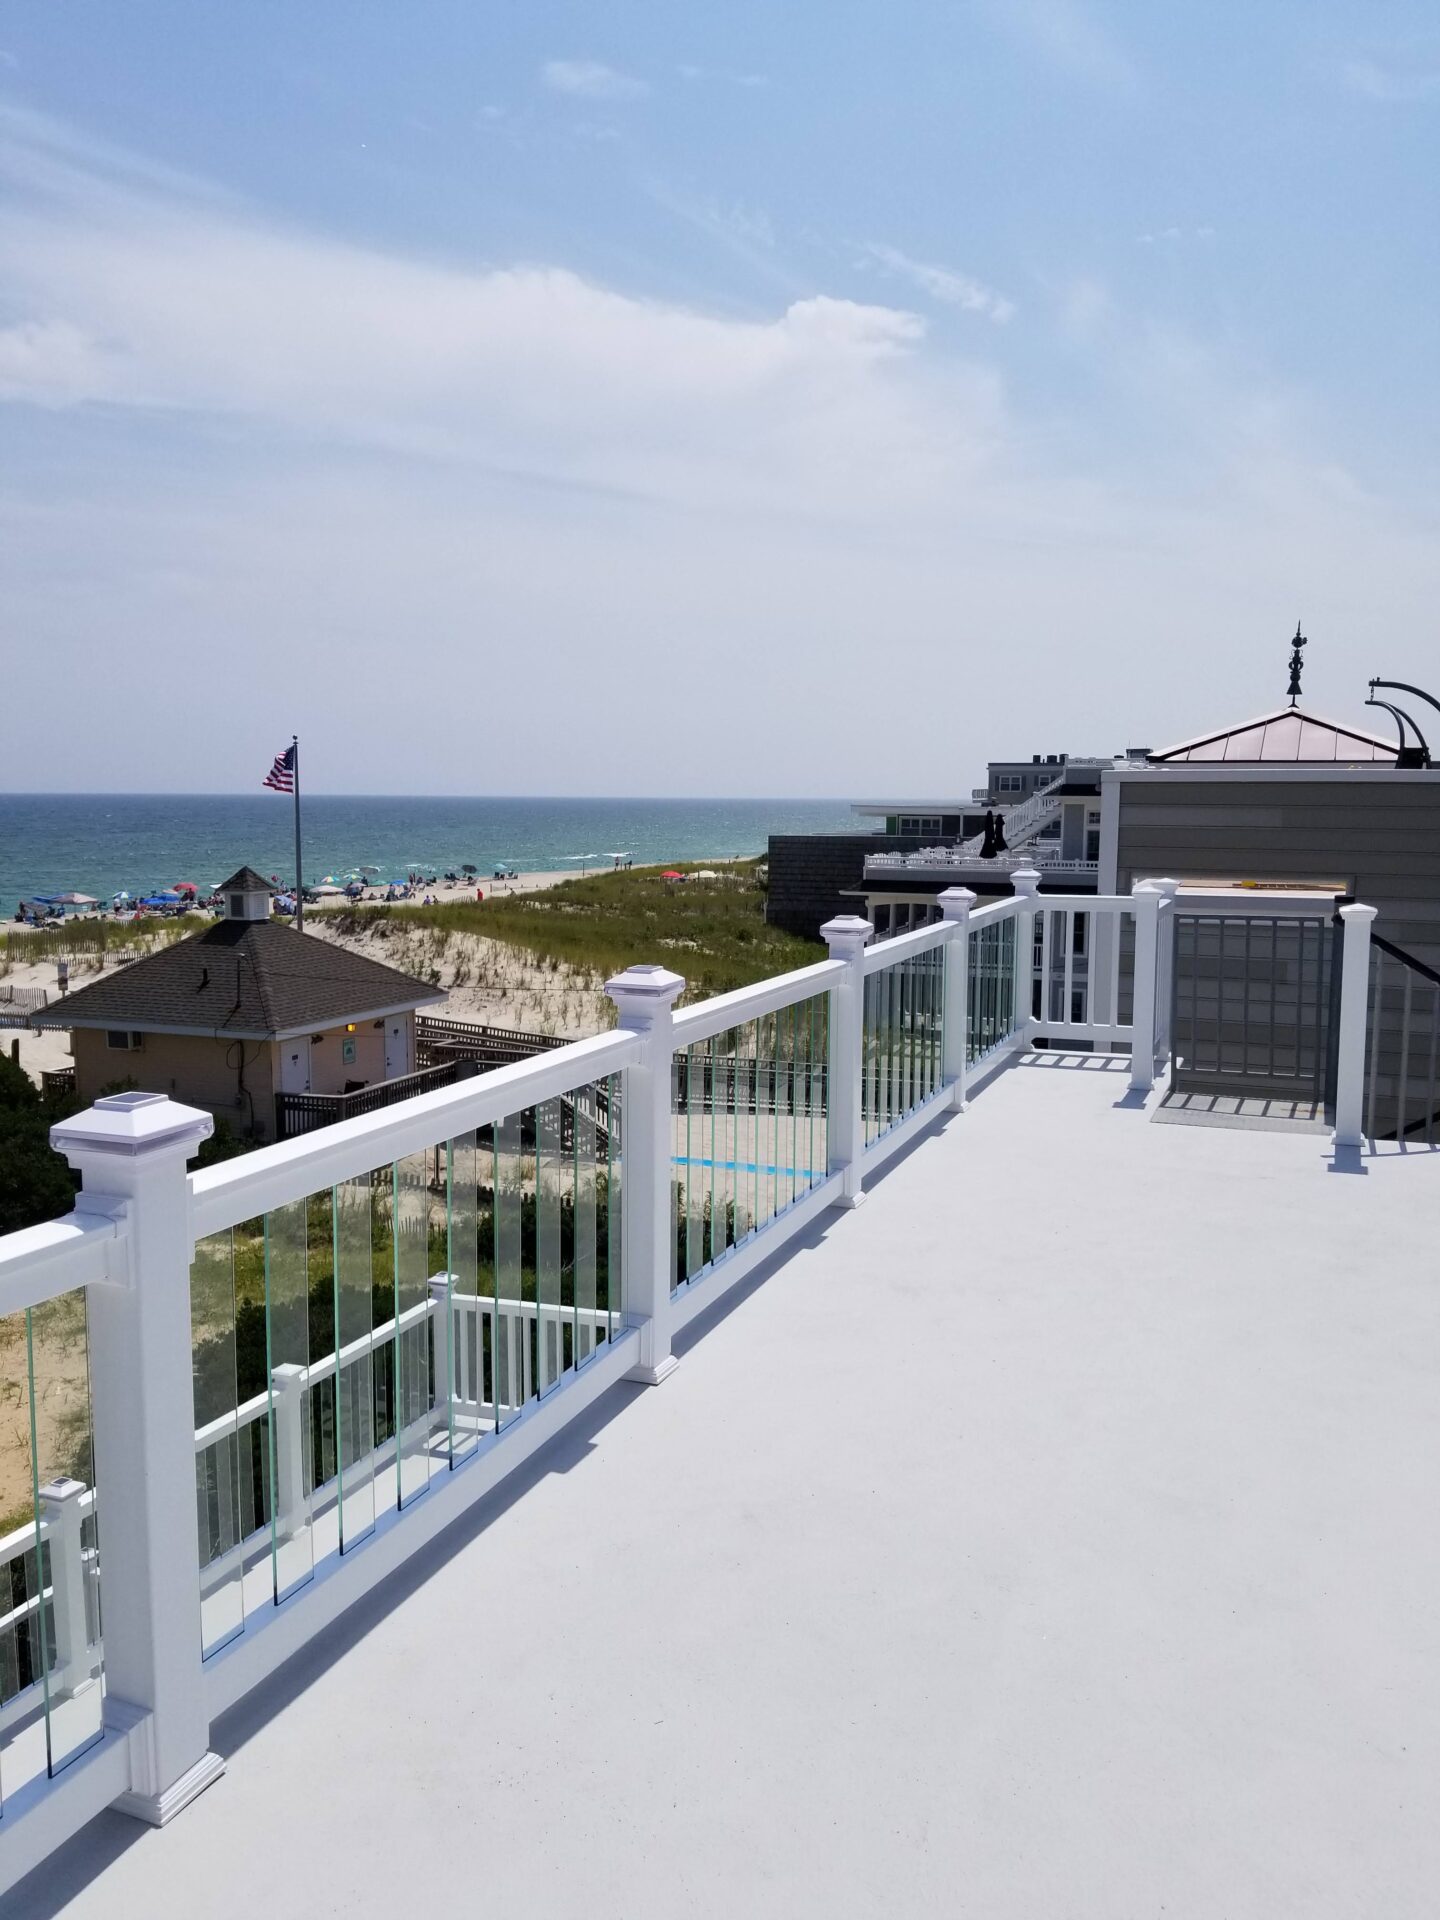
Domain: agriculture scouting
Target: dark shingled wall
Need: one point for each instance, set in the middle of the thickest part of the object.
(810, 872)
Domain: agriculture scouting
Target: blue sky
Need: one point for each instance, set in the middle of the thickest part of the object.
(767, 399)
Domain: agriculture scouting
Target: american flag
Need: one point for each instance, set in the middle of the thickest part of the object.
(282, 775)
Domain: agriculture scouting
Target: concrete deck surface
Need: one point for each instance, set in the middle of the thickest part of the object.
(1054, 1537)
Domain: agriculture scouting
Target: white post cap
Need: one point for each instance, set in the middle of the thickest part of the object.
(1026, 882)
(846, 934)
(642, 992)
(131, 1126)
(1168, 887)
(1358, 912)
(956, 902)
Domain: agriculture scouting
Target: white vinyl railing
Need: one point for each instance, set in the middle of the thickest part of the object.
(306, 1362)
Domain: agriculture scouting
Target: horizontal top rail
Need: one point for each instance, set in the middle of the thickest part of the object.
(905, 946)
(1087, 902)
(40, 1263)
(274, 1176)
(1405, 959)
(727, 1010)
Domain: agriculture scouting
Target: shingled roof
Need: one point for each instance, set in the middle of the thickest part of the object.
(247, 880)
(252, 979)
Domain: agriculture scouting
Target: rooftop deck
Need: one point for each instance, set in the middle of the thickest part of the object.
(1052, 1537)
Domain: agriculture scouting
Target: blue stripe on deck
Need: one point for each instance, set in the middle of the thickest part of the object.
(742, 1166)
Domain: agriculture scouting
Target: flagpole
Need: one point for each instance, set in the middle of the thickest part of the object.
(299, 887)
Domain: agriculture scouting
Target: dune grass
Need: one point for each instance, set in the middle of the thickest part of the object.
(712, 931)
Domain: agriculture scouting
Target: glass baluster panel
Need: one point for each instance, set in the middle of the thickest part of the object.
(586, 1334)
(770, 1156)
(411, 1338)
(218, 1491)
(62, 1459)
(488, 1279)
(613, 1241)
(715, 1242)
(321, 1429)
(287, 1294)
(512, 1319)
(547, 1244)
(458, 1334)
(23, 1747)
(354, 1374)
(697, 1173)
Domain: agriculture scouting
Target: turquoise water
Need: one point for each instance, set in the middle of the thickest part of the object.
(99, 843)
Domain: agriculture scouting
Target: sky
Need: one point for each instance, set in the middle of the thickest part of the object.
(787, 400)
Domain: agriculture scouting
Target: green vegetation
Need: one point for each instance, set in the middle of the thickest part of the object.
(712, 931)
(38, 944)
(35, 1183)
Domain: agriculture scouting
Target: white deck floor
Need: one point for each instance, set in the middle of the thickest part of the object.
(1055, 1537)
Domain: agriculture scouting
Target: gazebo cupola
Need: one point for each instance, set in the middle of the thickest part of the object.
(246, 895)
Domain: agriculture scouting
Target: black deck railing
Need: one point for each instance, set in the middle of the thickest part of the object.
(1402, 1046)
(1252, 1010)
(297, 1113)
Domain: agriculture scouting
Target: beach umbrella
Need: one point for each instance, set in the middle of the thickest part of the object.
(705, 873)
(77, 900)
(186, 886)
(469, 868)
(327, 890)
(672, 875)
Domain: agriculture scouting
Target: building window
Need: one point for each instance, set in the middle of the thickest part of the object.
(1010, 783)
(1077, 1006)
(123, 1042)
(237, 906)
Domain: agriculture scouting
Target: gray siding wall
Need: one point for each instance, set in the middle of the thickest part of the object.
(1378, 838)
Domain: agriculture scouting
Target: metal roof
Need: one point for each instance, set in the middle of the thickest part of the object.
(1289, 734)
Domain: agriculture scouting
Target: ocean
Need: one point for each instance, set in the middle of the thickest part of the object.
(99, 843)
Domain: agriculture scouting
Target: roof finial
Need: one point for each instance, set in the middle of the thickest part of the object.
(1295, 664)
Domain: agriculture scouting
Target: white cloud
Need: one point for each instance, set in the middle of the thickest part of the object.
(1067, 36)
(1393, 82)
(944, 284)
(533, 533)
(591, 80)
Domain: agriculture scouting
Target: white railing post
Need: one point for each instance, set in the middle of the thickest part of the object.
(1146, 902)
(1164, 962)
(1026, 882)
(955, 905)
(60, 1510)
(846, 938)
(130, 1150)
(645, 998)
(287, 1410)
(1354, 1014)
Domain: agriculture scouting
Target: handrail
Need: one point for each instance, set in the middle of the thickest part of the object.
(40, 1263)
(1406, 959)
(734, 1009)
(274, 1176)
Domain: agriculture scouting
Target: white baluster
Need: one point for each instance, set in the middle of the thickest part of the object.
(1354, 1007)
(645, 998)
(60, 1511)
(955, 905)
(130, 1150)
(846, 938)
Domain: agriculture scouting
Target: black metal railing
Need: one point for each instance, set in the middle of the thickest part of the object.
(1402, 1046)
(297, 1113)
(1252, 1008)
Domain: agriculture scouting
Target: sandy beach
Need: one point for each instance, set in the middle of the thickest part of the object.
(487, 980)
